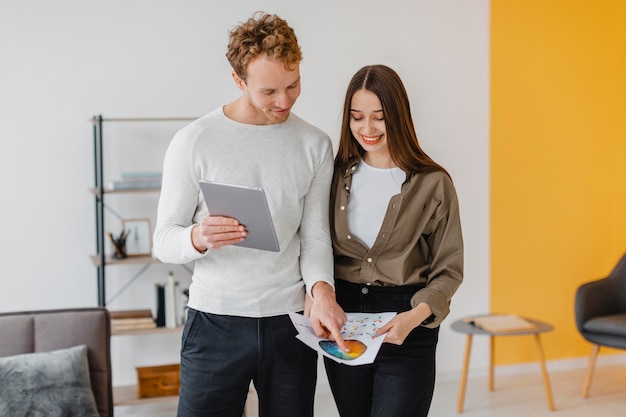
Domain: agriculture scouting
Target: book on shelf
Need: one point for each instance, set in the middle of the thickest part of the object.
(121, 325)
(145, 321)
(167, 303)
(154, 184)
(141, 175)
(131, 320)
(130, 314)
(501, 323)
(137, 180)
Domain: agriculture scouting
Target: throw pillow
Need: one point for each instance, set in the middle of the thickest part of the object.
(50, 384)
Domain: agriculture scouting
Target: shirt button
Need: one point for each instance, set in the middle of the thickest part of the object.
(364, 290)
(349, 237)
(347, 188)
(353, 168)
(342, 208)
(369, 260)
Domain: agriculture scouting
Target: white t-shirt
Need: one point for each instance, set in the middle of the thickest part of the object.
(369, 197)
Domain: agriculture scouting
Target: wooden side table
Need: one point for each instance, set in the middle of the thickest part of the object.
(465, 326)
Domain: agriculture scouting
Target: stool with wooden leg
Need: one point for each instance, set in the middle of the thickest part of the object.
(468, 327)
(468, 351)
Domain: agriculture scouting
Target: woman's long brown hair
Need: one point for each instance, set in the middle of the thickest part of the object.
(402, 140)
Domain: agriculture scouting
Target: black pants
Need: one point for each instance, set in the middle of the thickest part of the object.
(220, 355)
(401, 381)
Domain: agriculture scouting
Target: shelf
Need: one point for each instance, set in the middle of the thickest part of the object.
(156, 330)
(127, 395)
(144, 119)
(129, 260)
(96, 191)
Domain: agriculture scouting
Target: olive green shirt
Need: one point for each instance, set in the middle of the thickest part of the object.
(419, 242)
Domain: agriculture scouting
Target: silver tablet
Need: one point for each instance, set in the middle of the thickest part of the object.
(246, 204)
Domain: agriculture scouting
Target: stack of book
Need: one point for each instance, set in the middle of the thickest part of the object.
(137, 180)
(127, 320)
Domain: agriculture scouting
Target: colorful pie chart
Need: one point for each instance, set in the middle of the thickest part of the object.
(355, 349)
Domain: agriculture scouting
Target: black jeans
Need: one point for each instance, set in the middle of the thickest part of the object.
(401, 381)
(220, 355)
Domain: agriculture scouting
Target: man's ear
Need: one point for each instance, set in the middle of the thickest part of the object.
(238, 81)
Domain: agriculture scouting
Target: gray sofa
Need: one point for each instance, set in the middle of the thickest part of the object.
(49, 330)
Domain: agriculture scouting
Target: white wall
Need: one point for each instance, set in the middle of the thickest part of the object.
(62, 62)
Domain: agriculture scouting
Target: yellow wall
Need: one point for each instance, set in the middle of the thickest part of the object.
(558, 161)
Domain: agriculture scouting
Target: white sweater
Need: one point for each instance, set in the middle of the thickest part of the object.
(293, 162)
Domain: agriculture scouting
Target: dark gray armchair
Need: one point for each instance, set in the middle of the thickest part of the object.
(600, 311)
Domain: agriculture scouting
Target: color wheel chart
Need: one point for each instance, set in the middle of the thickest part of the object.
(358, 332)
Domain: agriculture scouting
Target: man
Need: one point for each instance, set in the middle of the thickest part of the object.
(237, 328)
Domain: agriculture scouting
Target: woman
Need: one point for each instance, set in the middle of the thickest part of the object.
(397, 247)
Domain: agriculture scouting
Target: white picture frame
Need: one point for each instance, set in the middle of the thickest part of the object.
(138, 237)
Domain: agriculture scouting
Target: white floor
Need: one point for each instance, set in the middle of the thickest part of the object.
(514, 396)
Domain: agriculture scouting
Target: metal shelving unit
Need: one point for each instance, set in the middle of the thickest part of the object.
(100, 260)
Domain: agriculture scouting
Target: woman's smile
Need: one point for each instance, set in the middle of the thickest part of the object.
(371, 140)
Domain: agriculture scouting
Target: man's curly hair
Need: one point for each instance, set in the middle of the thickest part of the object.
(265, 34)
